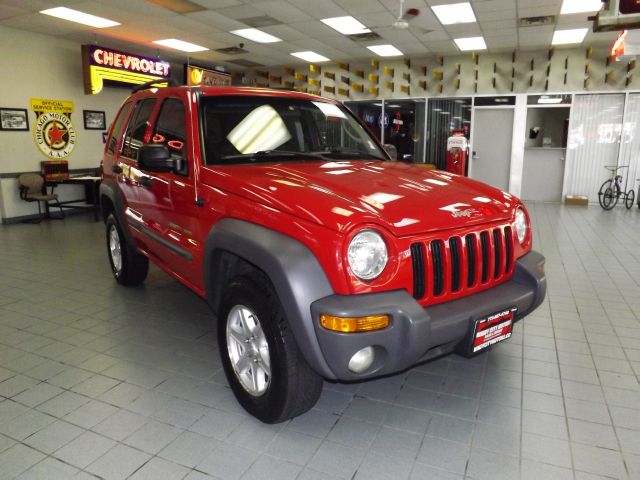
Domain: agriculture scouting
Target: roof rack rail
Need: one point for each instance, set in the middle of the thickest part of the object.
(154, 83)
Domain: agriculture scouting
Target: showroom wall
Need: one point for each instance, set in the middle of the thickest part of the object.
(558, 70)
(41, 66)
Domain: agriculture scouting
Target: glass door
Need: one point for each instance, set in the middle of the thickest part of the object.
(405, 128)
(444, 116)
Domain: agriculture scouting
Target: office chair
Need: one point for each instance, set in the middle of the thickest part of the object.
(31, 190)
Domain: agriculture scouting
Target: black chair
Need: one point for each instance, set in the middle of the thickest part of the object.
(31, 190)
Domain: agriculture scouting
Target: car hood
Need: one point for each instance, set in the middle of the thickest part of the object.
(406, 199)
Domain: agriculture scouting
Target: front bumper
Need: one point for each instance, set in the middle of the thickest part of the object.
(419, 333)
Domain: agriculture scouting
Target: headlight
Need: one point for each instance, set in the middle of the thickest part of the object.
(521, 225)
(367, 255)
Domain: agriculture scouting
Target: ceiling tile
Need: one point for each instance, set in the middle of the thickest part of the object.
(283, 11)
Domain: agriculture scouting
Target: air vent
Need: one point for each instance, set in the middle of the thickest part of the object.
(179, 6)
(232, 50)
(538, 21)
(365, 37)
(261, 21)
(244, 63)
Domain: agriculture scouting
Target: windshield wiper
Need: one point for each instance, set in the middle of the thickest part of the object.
(268, 155)
(338, 152)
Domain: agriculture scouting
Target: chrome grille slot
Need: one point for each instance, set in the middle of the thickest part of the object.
(417, 258)
(454, 248)
(497, 248)
(484, 245)
(470, 245)
(438, 266)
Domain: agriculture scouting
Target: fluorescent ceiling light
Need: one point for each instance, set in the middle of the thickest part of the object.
(385, 50)
(470, 43)
(346, 25)
(180, 45)
(79, 17)
(564, 37)
(580, 6)
(256, 35)
(454, 13)
(310, 56)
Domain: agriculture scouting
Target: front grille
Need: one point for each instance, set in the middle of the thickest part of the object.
(461, 264)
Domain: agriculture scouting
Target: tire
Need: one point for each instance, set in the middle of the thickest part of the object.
(127, 265)
(609, 199)
(601, 199)
(264, 367)
(628, 201)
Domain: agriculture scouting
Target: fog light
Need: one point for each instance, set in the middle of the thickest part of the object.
(354, 324)
(362, 360)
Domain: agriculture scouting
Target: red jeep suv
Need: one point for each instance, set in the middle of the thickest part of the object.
(320, 256)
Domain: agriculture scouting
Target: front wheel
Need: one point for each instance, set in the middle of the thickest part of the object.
(628, 201)
(127, 265)
(264, 367)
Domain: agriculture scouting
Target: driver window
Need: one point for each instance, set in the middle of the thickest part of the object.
(170, 129)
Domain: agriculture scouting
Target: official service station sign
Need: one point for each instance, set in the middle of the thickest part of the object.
(100, 64)
(54, 132)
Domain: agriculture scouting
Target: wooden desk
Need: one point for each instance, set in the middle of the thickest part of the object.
(91, 193)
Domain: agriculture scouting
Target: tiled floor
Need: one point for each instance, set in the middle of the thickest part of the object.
(97, 380)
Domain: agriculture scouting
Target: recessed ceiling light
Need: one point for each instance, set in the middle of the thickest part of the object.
(256, 35)
(454, 13)
(471, 43)
(544, 99)
(79, 17)
(180, 45)
(580, 6)
(310, 56)
(564, 37)
(346, 25)
(385, 50)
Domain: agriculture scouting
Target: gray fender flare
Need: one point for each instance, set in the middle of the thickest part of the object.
(107, 190)
(293, 269)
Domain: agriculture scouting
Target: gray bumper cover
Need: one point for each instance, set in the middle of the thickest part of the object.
(416, 333)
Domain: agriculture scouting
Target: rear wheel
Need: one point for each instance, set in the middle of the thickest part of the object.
(609, 199)
(265, 369)
(628, 201)
(605, 201)
(127, 265)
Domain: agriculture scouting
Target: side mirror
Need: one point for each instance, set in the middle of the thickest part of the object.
(155, 157)
(391, 150)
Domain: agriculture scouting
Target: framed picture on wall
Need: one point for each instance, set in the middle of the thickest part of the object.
(14, 119)
(94, 120)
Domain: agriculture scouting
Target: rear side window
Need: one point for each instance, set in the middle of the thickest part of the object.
(116, 132)
(170, 128)
(134, 137)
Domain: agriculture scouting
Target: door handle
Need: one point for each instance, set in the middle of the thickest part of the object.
(146, 181)
(116, 169)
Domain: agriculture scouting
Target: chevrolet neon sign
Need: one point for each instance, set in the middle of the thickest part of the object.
(100, 64)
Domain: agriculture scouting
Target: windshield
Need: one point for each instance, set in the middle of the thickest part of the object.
(247, 129)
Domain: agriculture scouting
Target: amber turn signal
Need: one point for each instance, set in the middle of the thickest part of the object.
(354, 324)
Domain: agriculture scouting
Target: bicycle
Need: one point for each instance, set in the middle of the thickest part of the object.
(611, 190)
